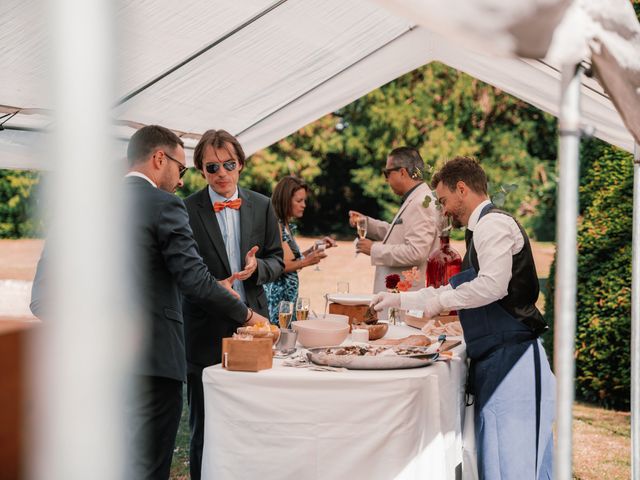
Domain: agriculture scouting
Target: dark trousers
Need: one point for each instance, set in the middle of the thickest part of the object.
(195, 394)
(153, 417)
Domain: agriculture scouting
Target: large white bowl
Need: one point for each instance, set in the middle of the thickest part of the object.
(334, 317)
(320, 333)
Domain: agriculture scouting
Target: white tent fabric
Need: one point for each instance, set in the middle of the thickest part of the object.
(263, 69)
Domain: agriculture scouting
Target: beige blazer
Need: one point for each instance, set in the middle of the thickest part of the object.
(407, 241)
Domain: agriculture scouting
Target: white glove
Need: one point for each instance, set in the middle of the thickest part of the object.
(384, 300)
(433, 307)
(416, 300)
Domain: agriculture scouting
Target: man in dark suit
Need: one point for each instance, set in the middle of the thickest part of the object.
(164, 262)
(237, 234)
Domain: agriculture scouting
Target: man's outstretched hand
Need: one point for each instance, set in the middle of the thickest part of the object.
(250, 264)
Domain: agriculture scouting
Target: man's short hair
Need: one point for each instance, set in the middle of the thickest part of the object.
(408, 158)
(463, 169)
(147, 139)
(217, 139)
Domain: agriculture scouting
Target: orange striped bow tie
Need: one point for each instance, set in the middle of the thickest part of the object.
(219, 206)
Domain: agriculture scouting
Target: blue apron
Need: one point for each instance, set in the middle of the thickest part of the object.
(514, 392)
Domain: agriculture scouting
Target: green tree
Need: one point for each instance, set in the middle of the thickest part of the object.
(18, 217)
(436, 109)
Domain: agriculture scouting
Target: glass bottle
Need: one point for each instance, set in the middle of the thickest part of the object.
(443, 264)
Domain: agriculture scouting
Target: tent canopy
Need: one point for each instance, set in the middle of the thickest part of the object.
(263, 69)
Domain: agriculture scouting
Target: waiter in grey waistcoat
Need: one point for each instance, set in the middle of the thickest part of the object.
(495, 295)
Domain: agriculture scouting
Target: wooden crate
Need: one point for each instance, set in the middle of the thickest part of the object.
(247, 355)
(354, 312)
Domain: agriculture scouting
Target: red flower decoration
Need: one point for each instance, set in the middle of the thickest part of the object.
(391, 281)
(404, 285)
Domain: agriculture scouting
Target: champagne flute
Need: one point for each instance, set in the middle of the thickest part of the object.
(319, 245)
(361, 226)
(285, 312)
(302, 308)
(343, 287)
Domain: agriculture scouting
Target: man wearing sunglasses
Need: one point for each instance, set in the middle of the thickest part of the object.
(238, 237)
(412, 236)
(164, 264)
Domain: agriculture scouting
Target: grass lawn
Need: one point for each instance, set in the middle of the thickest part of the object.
(180, 463)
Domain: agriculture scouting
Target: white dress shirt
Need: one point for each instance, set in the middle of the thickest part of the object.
(496, 238)
(141, 175)
(229, 222)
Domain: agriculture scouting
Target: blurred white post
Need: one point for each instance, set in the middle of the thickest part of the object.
(635, 320)
(566, 272)
(78, 358)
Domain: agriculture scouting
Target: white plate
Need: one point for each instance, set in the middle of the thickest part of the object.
(350, 298)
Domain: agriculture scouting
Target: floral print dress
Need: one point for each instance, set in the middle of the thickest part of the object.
(286, 286)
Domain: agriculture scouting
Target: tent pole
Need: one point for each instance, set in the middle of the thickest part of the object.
(635, 320)
(566, 272)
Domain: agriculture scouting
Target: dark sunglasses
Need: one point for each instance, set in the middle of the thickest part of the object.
(387, 171)
(229, 166)
(183, 169)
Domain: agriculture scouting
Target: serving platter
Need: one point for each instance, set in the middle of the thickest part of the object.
(350, 298)
(402, 357)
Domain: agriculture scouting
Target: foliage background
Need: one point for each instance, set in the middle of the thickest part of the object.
(604, 276)
(18, 215)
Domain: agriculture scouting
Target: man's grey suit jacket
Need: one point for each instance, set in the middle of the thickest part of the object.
(165, 262)
(258, 226)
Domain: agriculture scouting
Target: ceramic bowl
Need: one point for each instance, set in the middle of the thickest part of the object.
(333, 317)
(376, 330)
(320, 333)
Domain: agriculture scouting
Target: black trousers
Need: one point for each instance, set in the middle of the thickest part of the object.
(195, 395)
(154, 411)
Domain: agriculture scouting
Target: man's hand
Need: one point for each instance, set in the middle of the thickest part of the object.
(257, 318)
(353, 217)
(250, 264)
(363, 245)
(228, 284)
(384, 300)
(433, 307)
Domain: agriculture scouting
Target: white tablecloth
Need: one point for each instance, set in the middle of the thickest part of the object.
(287, 423)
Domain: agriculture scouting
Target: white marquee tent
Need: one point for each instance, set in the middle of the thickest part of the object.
(262, 69)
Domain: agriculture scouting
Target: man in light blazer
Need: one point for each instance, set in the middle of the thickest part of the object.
(238, 237)
(413, 234)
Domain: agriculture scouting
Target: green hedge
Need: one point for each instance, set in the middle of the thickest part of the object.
(604, 277)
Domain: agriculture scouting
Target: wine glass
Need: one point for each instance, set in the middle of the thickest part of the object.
(361, 226)
(319, 245)
(343, 287)
(303, 305)
(285, 312)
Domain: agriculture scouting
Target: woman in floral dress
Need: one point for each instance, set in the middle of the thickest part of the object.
(289, 201)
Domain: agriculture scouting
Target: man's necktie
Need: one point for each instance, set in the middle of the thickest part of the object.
(468, 236)
(219, 206)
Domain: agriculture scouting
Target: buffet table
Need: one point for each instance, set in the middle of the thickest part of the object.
(291, 423)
